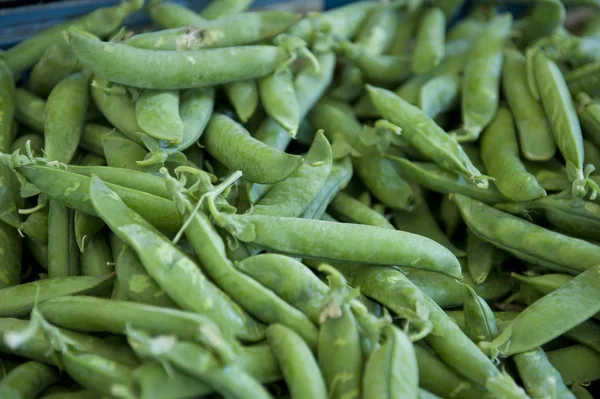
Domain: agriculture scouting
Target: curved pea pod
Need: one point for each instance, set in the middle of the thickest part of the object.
(86, 227)
(29, 109)
(351, 210)
(28, 380)
(38, 251)
(19, 300)
(425, 135)
(157, 113)
(535, 136)
(591, 154)
(576, 364)
(480, 258)
(580, 392)
(480, 323)
(440, 94)
(36, 143)
(430, 40)
(481, 81)
(243, 96)
(279, 99)
(500, 152)
(232, 145)
(168, 70)
(56, 63)
(9, 200)
(7, 106)
(584, 80)
(391, 371)
(121, 152)
(377, 31)
(153, 382)
(91, 138)
(172, 15)
(438, 378)
(552, 250)
(350, 83)
(97, 258)
(405, 27)
(36, 226)
(380, 68)
(100, 22)
(420, 221)
(588, 111)
(339, 176)
(291, 197)
(63, 251)
(346, 21)
(540, 378)
(224, 8)
(544, 17)
(298, 365)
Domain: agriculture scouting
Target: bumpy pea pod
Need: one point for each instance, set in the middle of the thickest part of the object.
(391, 370)
(349, 209)
(560, 111)
(63, 251)
(28, 380)
(173, 271)
(500, 152)
(480, 323)
(223, 8)
(429, 45)
(425, 135)
(553, 250)
(55, 64)
(378, 68)
(576, 364)
(97, 258)
(100, 22)
(588, 111)
(540, 378)
(545, 17)
(157, 113)
(291, 196)
(481, 81)
(243, 96)
(210, 249)
(535, 136)
(233, 146)
(480, 258)
(298, 365)
(279, 99)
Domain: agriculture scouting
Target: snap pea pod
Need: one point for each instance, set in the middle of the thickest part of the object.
(378, 68)
(584, 80)
(63, 251)
(377, 30)
(480, 323)
(589, 116)
(480, 258)
(83, 394)
(439, 95)
(55, 64)
(168, 266)
(425, 135)
(349, 209)
(540, 378)
(122, 152)
(576, 364)
(351, 80)
(97, 258)
(535, 136)
(544, 18)
(36, 226)
(29, 109)
(591, 154)
(9, 198)
(429, 45)
(224, 8)
(36, 143)
(28, 380)
(554, 251)
(38, 251)
(279, 99)
(86, 227)
(580, 392)
(7, 106)
(481, 81)
(232, 145)
(243, 96)
(157, 113)
(407, 21)
(172, 15)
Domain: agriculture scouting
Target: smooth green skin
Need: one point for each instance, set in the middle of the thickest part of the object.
(38, 348)
(340, 356)
(86, 227)
(84, 394)
(576, 364)
(29, 109)
(424, 134)
(526, 240)
(218, 9)
(36, 143)
(447, 292)
(560, 111)
(100, 22)
(480, 324)
(90, 159)
(97, 258)
(64, 117)
(28, 380)
(168, 70)
(420, 221)
(382, 69)
(535, 135)
(175, 273)
(404, 33)
(309, 85)
(391, 370)
(480, 258)
(345, 242)
(584, 79)
(121, 152)
(591, 154)
(551, 175)
(55, 64)
(545, 17)
(377, 32)
(7, 106)
(63, 251)
(340, 175)
(540, 378)
(9, 198)
(36, 226)
(351, 80)
(291, 197)
(500, 153)
(91, 138)
(439, 95)
(553, 314)
(95, 372)
(289, 280)
(580, 392)
(153, 382)
(298, 365)
(137, 283)
(546, 283)
(172, 15)
(278, 97)
(233, 146)
(118, 109)
(243, 96)
(481, 81)
(157, 113)
(430, 41)
(589, 116)
(38, 251)
(236, 30)
(348, 209)
(440, 379)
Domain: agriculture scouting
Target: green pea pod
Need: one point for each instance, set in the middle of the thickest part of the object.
(29, 109)
(540, 378)
(92, 160)
(591, 154)
(429, 45)
(243, 96)
(589, 116)
(551, 251)
(174, 272)
(576, 363)
(480, 324)
(377, 32)
(97, 259)
(298, 365)
(157, 113)
(481, 81)
(224, 8)
(172, 15)
(63, 252)
(407, 21)
(55, 64)
(19, 300)
(544, 17)
(36, 226)
(38, 251)
(279, 99)
(378, 68)
(232, 145)
(341, 172)
(122, 152)
(153, 382)
(91, 138)
(391, 371)
(86, 227)
(351, 80)
(28, 380)
(480, 258)
(439, 95)
(584, 80)
(9, 200)
(535, 136)
(36, 143)
(580, 392)
(351, 210)
(7, 106)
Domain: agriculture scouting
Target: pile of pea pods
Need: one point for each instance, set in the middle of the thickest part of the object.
(367, 202)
